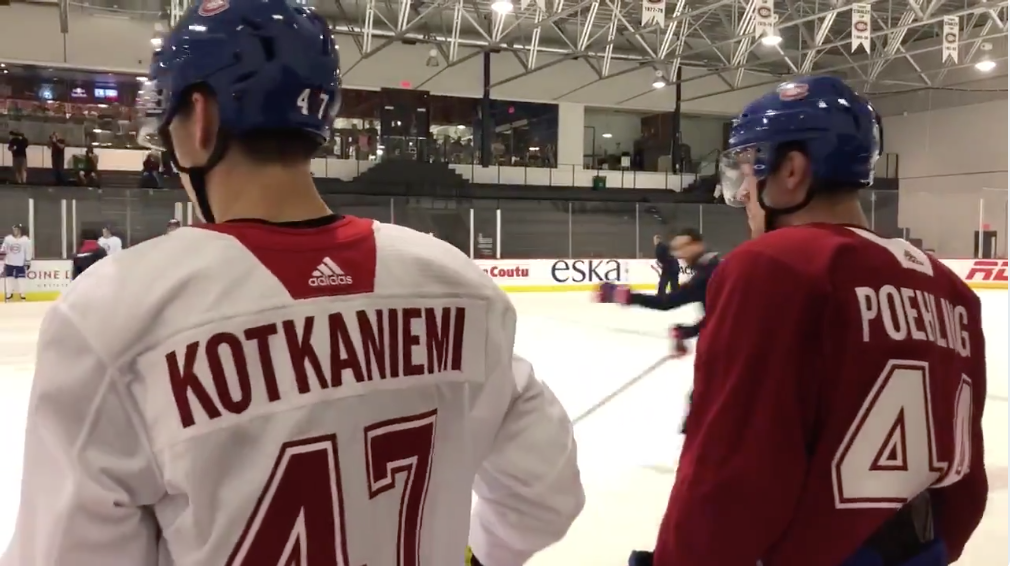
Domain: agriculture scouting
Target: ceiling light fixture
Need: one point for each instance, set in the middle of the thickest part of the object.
(986, 64)
(659, 82)
(772, 39)
(502, 6)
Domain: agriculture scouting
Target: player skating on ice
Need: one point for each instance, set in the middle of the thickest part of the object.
(109, 242)
(282, 385)
(17, 254)
(840, 382)
(688, 246)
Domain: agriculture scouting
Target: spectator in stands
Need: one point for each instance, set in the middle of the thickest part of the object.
(57, 153)
(88, 174)
(18, 146)
(150, 177)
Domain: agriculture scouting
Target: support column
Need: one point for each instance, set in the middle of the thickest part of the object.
(486, 113)
(570, 135)
(676, 132)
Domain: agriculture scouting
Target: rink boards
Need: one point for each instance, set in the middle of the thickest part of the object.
(48, 278)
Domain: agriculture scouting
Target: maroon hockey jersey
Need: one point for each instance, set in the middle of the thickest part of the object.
(841, 374)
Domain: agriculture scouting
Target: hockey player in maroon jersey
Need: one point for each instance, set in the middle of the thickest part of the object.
(840, 382)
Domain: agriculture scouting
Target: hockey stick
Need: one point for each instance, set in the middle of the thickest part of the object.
(608, 398)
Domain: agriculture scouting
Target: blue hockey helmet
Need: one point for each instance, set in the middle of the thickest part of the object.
(270, 65)
(838, 130)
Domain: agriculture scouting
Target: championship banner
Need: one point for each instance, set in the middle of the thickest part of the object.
(861, 26)
(950, 45)
(652, 12)
(764, 18)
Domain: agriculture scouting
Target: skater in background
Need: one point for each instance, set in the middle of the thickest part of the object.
(90, 253)
(17, 251)
(689, 246)
(668, 267)
(109, 242)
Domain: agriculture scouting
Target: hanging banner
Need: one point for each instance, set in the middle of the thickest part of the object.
(540, 3)
(950, 46)
(764, 18)
(861, 26)
(652, 12)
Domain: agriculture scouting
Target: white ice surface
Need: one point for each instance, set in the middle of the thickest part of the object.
(628, 447)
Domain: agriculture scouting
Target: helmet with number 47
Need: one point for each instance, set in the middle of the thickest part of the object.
(268, 66)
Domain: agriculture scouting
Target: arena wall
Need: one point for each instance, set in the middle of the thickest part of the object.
(952, 169)
(48, 278)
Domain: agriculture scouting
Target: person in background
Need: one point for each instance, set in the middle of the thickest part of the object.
(172, 226)
(689, 246)
(57, 153)
(17, 250)
(18, 146)
(91, 251)
(150, 176)
(109, 242)
(668, 267)
(88, 175)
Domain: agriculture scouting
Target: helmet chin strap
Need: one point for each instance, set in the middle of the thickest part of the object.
(771, 213)
(198, 175)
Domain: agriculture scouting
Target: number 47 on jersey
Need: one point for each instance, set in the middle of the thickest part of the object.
(299, 517)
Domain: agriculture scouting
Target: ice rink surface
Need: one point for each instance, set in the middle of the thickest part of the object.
(628, 446)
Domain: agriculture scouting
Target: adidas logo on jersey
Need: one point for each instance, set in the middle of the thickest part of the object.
(328, 273)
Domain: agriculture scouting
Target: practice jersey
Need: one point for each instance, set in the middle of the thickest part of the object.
(112, 244)
(840, 375)
(325, 395)
(17, 250)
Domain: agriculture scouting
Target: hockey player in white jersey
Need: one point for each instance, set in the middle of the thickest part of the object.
(17, 256)
(282, 385)
(110, 242)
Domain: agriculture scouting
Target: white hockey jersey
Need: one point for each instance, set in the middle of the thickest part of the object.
(112, 244)
(17, 250)
(323, 396)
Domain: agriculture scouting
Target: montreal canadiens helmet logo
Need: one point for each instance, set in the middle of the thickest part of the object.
(212, 7)
(793, 91)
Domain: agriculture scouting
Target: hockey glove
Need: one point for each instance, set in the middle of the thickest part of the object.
(613, 293)
(679, 342)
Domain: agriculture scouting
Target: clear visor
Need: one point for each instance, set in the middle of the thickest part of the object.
(737, 174)
(150, 106)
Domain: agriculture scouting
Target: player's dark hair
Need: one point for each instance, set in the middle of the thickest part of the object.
(693, 233)
(275, 147)
(89, 234)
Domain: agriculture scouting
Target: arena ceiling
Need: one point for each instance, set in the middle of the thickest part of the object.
(711, 40)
